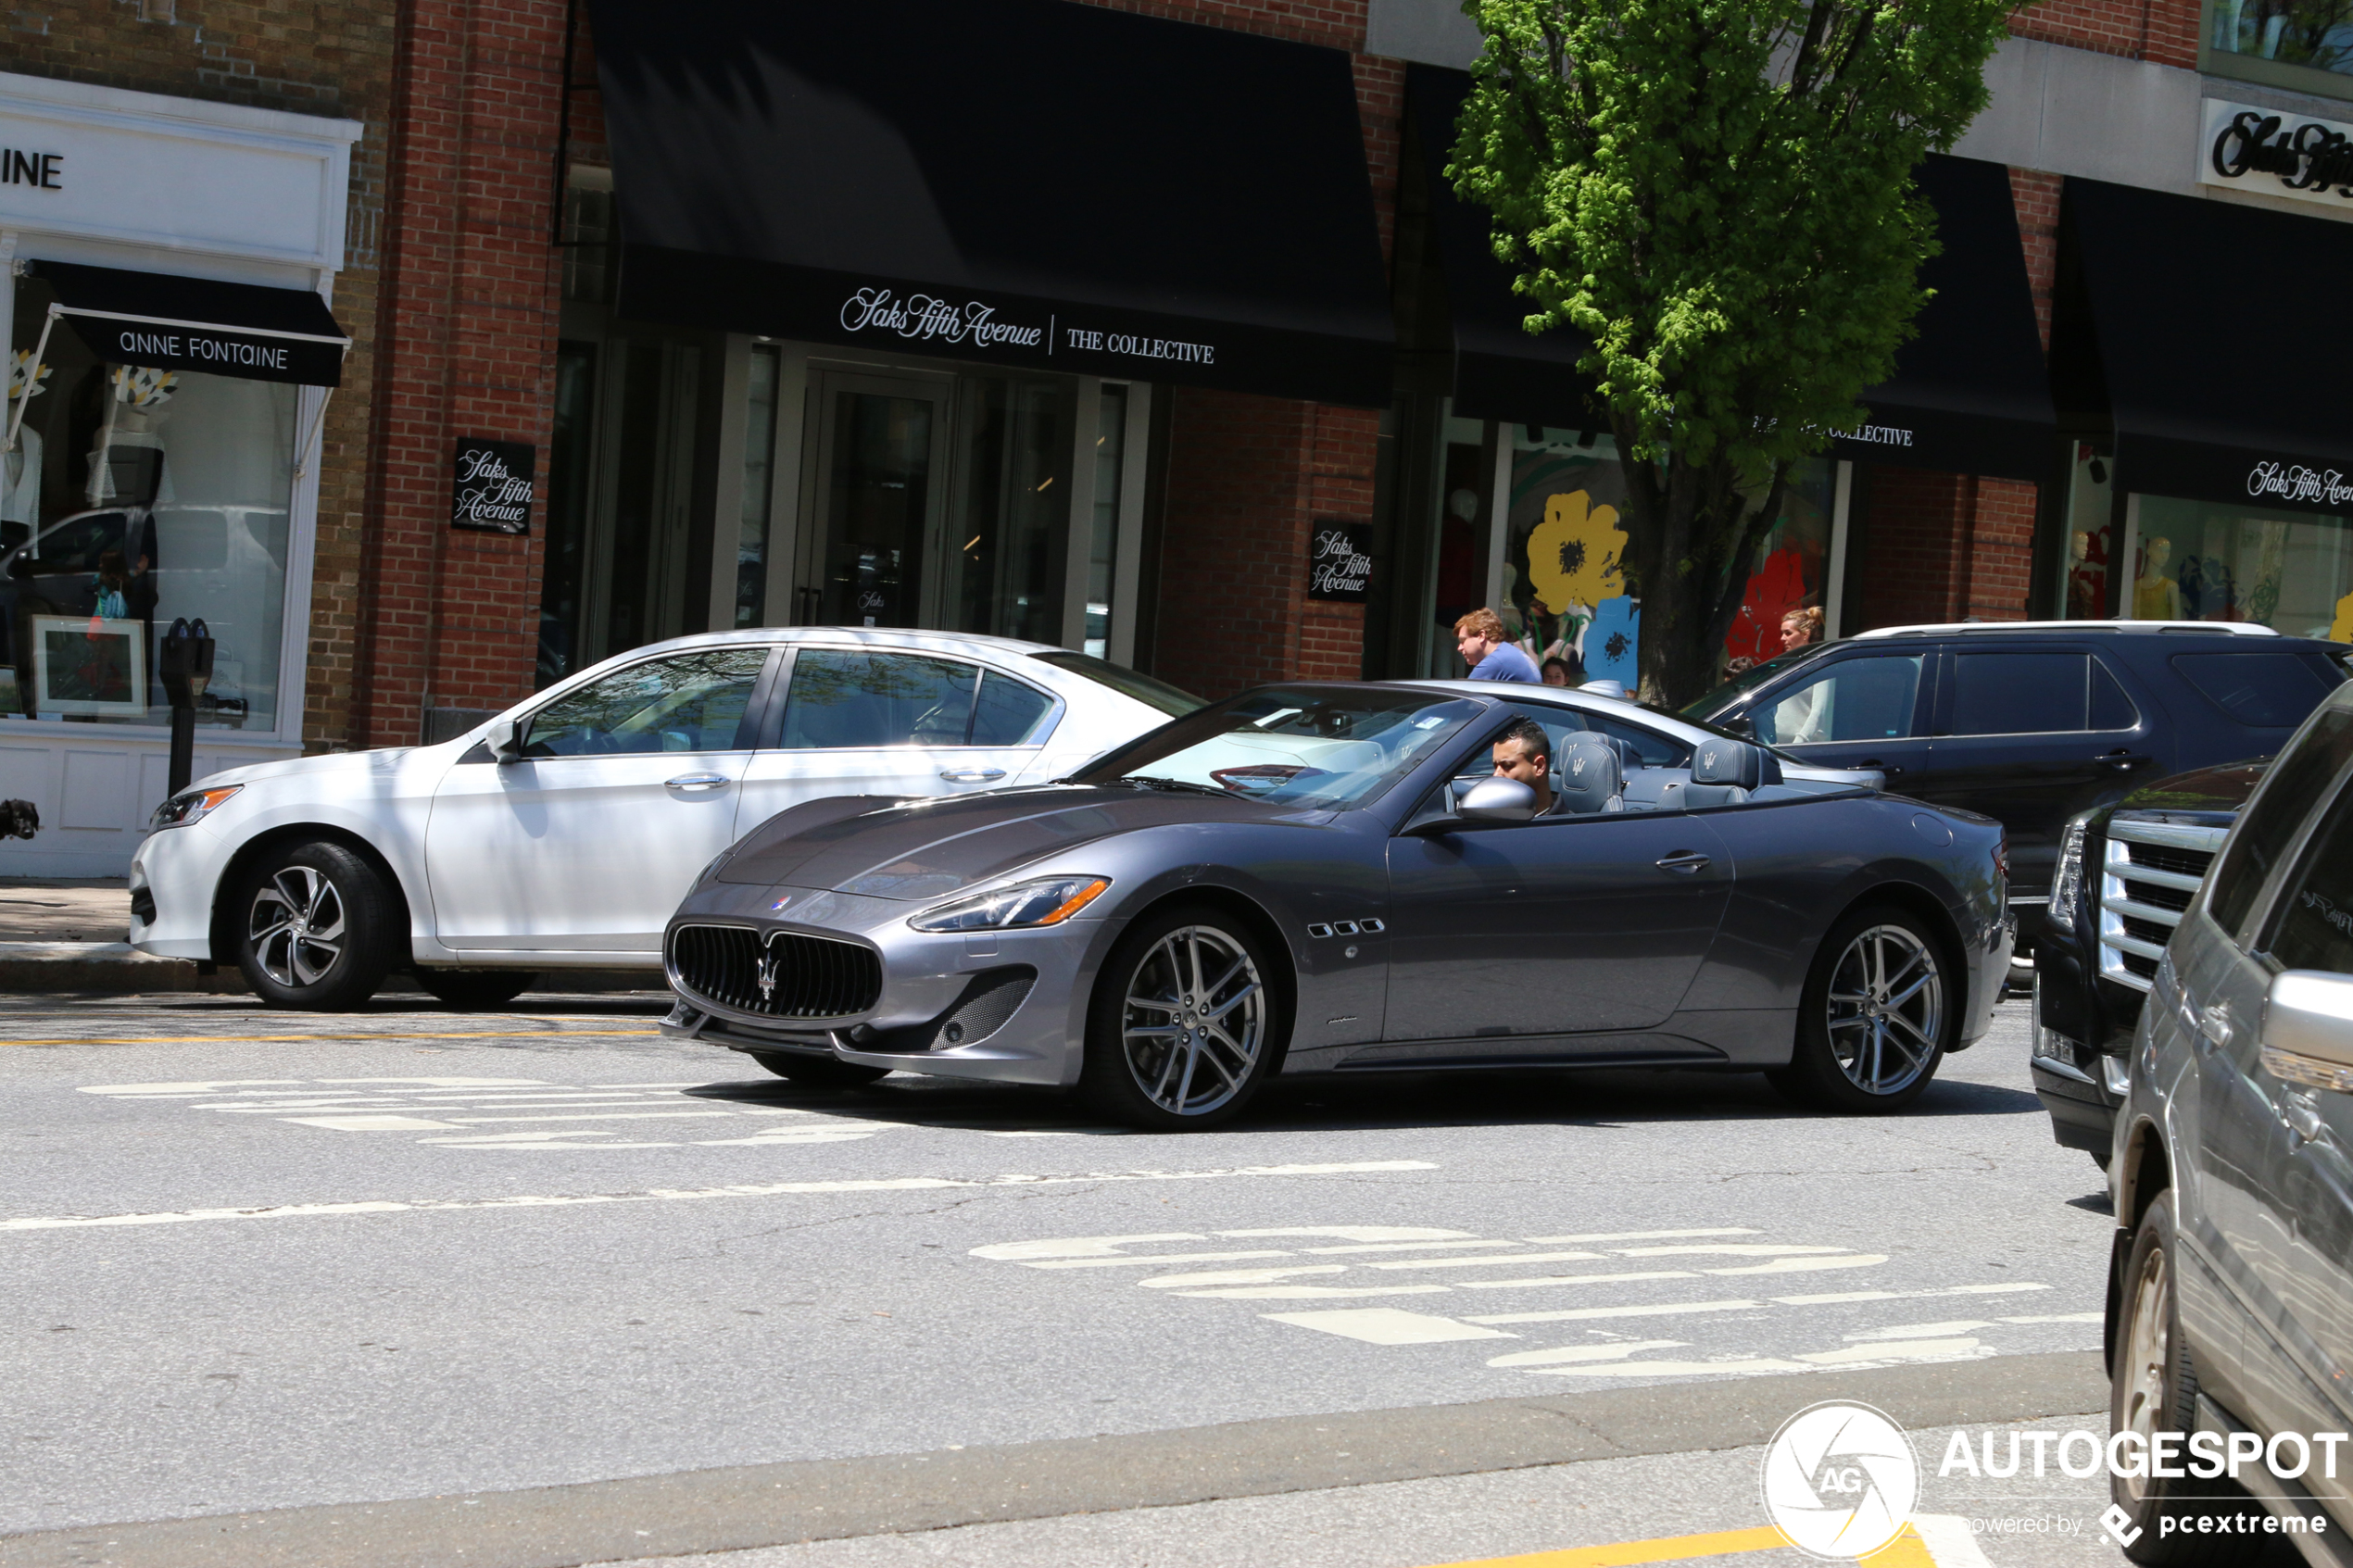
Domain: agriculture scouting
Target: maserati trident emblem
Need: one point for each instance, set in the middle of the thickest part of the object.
(766, 973)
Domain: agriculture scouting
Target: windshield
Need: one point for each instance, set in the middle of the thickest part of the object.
(1175, 701)
(1749, 679)
(1317, 747)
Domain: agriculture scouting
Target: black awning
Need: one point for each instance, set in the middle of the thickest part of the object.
(1969, 394)
(1028, 183)
(2157, 346)
(174, 324)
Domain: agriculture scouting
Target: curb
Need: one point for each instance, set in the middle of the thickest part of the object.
(117, 968)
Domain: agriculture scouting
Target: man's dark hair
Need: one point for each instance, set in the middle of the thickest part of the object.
(1532, 740)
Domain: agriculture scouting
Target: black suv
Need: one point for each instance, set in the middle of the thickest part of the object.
(2030, 723)
(2126, 873)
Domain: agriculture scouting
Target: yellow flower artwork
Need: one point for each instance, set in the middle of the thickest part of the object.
(1576, 553)
(2342, 631)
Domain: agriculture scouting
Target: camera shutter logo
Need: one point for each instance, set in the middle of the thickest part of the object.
(1840, 1480)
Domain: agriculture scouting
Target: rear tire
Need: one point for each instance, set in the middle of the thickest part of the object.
(2153, 1387)
(1880, 1010)
(1184, 1024)
(475, 987)
(818, 1071)
(316, 928)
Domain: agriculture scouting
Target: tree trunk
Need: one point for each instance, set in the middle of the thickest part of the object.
(1689, 540)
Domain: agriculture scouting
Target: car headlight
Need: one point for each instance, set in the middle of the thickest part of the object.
(181, 809)
(2068, 880)
(1048, 901)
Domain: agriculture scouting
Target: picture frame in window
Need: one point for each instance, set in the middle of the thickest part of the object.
(88, 665)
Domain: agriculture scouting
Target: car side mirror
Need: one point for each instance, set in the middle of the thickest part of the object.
(1497, 801)
(506, 740)
(1738, 723)
(2308, 1029)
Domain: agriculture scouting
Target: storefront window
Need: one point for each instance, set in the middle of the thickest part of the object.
(136, 496)
(1003, 575)
(2317, 33)
(1111, 440)
(2204, 560)
(2089, 544)
(760, 468)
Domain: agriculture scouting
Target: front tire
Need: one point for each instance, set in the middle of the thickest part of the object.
(818, 1071)
(2154, 1388)
(1184, 1023)
(475, 987)
(1879, 1010)
(316, 928)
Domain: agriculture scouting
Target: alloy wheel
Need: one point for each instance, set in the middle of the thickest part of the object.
(1886, 1009)
(296, 927)
(2148, 1356)
(1194, 1022)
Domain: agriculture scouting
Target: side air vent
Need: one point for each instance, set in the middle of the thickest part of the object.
(987, 999)
(807, 976)
(2149, 872)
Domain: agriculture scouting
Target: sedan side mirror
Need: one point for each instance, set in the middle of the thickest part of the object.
(2308, 1029)
(1497, 801)
(506, 740)
(1738, 723)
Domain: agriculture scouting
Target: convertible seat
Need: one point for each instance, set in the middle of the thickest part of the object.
(1586, 778)
(1656, 789)
(1724, 772)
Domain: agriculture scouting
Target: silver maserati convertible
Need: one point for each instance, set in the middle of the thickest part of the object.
(1360, 878)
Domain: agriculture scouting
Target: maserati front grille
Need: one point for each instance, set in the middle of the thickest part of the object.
(789, 975)
(2149, 872)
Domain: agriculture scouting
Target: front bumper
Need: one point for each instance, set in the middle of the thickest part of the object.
(2075, 1084)
(934, 1012)
(174, 874)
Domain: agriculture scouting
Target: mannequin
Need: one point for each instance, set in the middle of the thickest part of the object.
(2156, 597)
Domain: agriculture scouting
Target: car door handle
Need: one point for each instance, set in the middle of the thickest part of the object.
(695, 783)
(971, 775)
(2214, 1023)
(2122, 763)
(1875, 762)
(1684, 860)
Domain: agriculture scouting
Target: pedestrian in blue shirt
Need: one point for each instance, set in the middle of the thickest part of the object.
(1479, 638)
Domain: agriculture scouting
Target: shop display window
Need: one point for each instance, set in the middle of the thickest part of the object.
(2315, 33)
(2206, 560)
(135, 496)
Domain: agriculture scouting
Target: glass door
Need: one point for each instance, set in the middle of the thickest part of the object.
(878, 484)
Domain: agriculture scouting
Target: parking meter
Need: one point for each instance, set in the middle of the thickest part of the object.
(186, 667)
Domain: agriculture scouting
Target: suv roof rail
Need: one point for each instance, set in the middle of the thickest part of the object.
(2229, 628)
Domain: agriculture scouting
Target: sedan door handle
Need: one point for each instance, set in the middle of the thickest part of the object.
(2122, 761)
(1875, 763)
(695, 783)
(1684, 860)
(971, 775)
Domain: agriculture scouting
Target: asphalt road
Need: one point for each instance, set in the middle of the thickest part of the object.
(253, 1260)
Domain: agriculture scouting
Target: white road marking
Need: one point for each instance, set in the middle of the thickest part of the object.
(1837, 1296)
(1311, 1292)
(1923, 1330)
(375, 1124)
(2064, 1317)
(1388, 1325)
(1485, 1263)
(1573, 1279)
(1726, 1250)
(1156, 1260)
(1357, 1233)
(1239, 1276)
(1669, 1310)
(1806, 1266)
(597, 1116)
(1392, 1246)
(772, 1190)
(1898, 1350)
(1950, 1540)
(1568, 1353)
(1753, 1367)
(1075, 1246)
(1640, 1235)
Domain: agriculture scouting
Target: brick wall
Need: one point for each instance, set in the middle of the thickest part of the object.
(1942, 546)
(2036, 196)
(451, 619)
(329, 57)
(2162, 30)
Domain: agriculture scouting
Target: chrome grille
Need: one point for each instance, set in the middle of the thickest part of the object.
(2148, 873)
(814, 976)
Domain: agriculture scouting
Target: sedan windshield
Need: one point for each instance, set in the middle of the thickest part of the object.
(1313, 747)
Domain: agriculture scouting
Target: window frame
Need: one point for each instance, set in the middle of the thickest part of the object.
(770, 733)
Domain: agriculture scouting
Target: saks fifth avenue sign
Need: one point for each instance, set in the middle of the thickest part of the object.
(2300, 486)
(927, 318)
(2250, 148)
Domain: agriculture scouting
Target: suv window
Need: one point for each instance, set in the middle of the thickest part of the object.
(1869, 699)
(2264, 691)
(2312, 925)
(694, 702)
(2273, 817)
(2035, 693)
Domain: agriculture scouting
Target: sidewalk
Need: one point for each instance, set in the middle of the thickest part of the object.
(67, 934)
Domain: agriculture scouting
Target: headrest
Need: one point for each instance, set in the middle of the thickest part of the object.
(1728, 762)
(1585, 774)
(1626, 760)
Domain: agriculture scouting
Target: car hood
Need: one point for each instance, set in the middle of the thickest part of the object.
(379, 761)
(2220, 790)
(883, 847)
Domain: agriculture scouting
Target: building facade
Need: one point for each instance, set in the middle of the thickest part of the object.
(1148, 327)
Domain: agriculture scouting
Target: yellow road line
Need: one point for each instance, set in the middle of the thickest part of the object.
(270, 1039)
(1907, 1551)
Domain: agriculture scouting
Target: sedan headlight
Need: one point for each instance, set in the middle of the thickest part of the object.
(2068, 880)
(1048, 901)
(181, 809)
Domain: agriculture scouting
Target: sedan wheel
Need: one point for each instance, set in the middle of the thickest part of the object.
(1184, 1023)
(318, 928)
(1876, 1016)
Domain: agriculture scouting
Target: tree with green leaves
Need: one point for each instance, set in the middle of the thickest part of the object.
(1717, 195)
